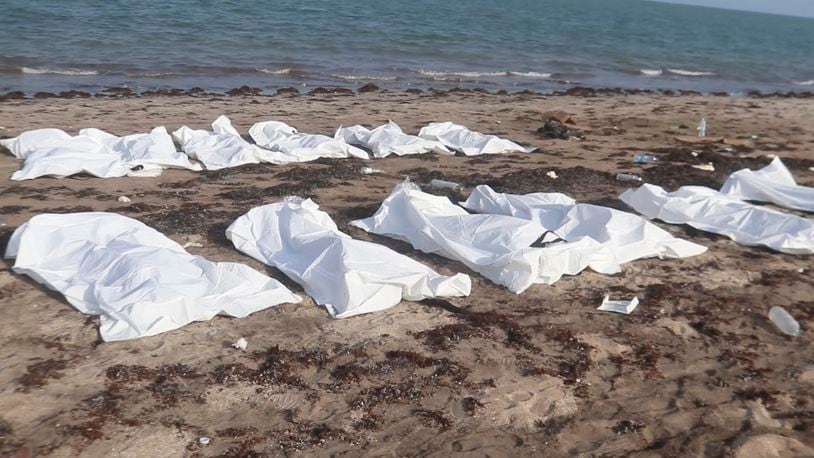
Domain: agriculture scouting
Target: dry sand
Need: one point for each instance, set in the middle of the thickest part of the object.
(697, 369)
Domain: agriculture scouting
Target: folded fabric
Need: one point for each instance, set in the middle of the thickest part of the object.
(138, 280)
(627, 235)
(471, 143)
(219, 148)
(773, 183)
(287, 145)
(349, 277)
(709, 210)
(52, 152)
(389, 139)
(497, 246)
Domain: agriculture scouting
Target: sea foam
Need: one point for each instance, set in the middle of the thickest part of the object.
(58, 71)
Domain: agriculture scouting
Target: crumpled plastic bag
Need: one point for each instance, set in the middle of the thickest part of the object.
(389, 139)
(140, 282)
(349, 277)
(773, 183)
(287, 145)
(470, 143)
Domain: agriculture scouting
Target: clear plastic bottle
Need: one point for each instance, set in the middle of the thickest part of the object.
(702, 127)
(784, 321)
(644, 159)
(628, 177)
(441, 184)
(369, 171)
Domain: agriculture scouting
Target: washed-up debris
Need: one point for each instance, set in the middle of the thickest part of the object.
(708, 167)
(628, 177)
(554, 129)
(552, 174)
(618, 306)
(784, 321)
(559, 116)
(124, 199)
(644, 159)
(441, 184)
(203, 440)
(369, 171)
(193, 245)
(702, 128)
(241, 343)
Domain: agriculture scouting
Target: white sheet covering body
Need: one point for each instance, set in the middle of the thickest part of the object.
(497, 246)
(349, 277)
(773, 183)
(219, 148)
(389, 139)
(629, 236)
(52, 152)
(287, 145)
(139, 281)
(470, 143)
(709, 210)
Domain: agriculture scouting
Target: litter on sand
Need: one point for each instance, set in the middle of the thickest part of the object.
(711, 211)
(219, 148)
(286, 145)
(618, 306)
(139, 281)
(773, 183)
(389, 139)
(458, 138)
(349, 277)
(784, 321)
(241, 344)
(709, 167)
(499, 247)
(124, 199)
(628, 236)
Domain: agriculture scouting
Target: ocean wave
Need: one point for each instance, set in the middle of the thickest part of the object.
(648, 72)
(530, 74)
(804, 83)
(275, 71)
(364, 77)
(678, 71)
(446, 75)
(58, 71)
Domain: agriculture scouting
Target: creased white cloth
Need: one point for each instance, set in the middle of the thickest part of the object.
(389, 139)
(470, 143)
(709, 210)
(629, 236)
(349, 277)
(219, 148)
(286, 145)
(139, 281)
(52, 152)
(773, 183)
(497, 246)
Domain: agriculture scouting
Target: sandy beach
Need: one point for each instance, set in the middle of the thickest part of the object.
(697, 369)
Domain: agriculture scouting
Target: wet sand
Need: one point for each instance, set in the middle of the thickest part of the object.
(697, 369)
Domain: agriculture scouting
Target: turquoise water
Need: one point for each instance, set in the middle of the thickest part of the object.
(510, 44)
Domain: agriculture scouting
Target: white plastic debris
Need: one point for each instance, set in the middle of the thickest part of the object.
(702, 128)
(709, 210)
(771, 155)
(708, 167)
(627, 235)
(124, 199)
(139, 281)
(644, 159)
(773, 183)
(694, 153)
(369, 171)
(389, 139)
(241, 344)
(441, 184)
(618, 306)
(628, 177)
(501, 248)
(203, 440)
(470, 143)
(552, 174)
(784, 321)
(349, 277)
(219, 148)
(193, 245)
(288, 145)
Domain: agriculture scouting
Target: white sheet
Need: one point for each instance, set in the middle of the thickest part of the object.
(497, 246)
(627, 235)
(219, 148)
(773, 183)
(52, 152)
(138, 280)
(389, 139)
(471, 143)
(287, 145)
(349, 277)
(709, 210)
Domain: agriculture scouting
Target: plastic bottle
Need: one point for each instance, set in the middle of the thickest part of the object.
(644, 159)
(369, 171)
(702, 127)
(628, 177)
(441, 184)
(784, 321)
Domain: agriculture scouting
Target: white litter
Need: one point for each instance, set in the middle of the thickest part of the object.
(349, 277)
(628, 236)
(708, 167)
(203, 440)
(470, 143)
(618, 306)
(709, 210)
(193, 245)
(442, 184)
(389, 139)
(219, 148)
(497, 246)
(784, 321)
(702, 128)
(241, 344)
(287, 145)
(773, 183)
(139, 281)
(369, 171)
(552, 174)
(124, 199)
